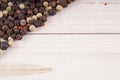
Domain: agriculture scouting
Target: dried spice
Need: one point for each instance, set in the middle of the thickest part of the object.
(17, 17)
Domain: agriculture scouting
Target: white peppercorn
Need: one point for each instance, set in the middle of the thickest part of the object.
(21, 6)
(10, 4)
(32, 28)
(5, 12)
(34, 17)
(8, 8)
(2, 40)
(59, 7)
(39, 15)
(23, 22)
(1, 14)
(45, 4)
(48, 8)
(10, 38)
(28, 19)
(10, 43)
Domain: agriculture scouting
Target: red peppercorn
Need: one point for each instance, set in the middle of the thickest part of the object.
(20, 27)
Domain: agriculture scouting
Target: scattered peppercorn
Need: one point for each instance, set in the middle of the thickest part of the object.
(21, 6)
(17, 17)
(18, 37)
(3, 45)
(32, 28)
(59, 7)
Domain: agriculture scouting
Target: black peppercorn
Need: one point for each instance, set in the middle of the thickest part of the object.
(5, 37)
(3, 6)
(43, 18)
(6, 22)
(52, 12)
(9, 31)
(63, 3)
(29, 12)
(5, 28)
(42, 10)
(16, 31)
(1, 24)
(1, 33)
(36, 10)
(23, 31)
(13, 36)
(16, 22)
(18, 17)
(18, 37)
(37, 23)
(11, 13)
(3, 45)
(11, 25)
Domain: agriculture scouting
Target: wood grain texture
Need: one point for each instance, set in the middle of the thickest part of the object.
(82, 42)
(24, 69)
(100, 1)
(67, 44)
(85, 18)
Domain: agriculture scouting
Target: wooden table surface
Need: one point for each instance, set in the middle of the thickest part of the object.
(82, 42)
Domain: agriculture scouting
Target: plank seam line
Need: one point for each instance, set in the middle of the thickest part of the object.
(73, 34)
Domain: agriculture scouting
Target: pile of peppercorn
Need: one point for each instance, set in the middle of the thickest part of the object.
(17, 17)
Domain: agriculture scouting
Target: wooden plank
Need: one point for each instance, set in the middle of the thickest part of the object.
(85, 18)
(67, 44)
(83, 57)
(70, 67)
(100, 1)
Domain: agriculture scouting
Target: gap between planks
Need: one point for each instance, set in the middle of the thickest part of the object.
(73, 34)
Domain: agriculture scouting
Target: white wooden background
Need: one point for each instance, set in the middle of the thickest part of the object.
(80, 43)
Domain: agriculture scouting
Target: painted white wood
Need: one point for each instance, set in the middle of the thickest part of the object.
(86, 57)
(67, 44)
(80, 57)
(100, 1)
(84, 18)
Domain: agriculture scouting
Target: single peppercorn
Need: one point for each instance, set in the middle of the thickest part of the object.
(34, 17)
(5, 37)
(18, 37)
(9, 31)
(1, 33)
(11, 25)
(45, 4)
(10, 4)
(43, 18)
(6, 21)
(5, 28)
(21, 6)
(23, 22)
(3, 45)
(39, 15)
(29, 12)
(37, 23)
(13, 36)
(16, 22)
(52, 3)
(16, 31)
(32, 28)
(28, 19)
(36, 10)
(59, 7)
(18, 11)
(52, 12)
(46, 13)
(5, 12)
(1, 14)
(23, 31)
